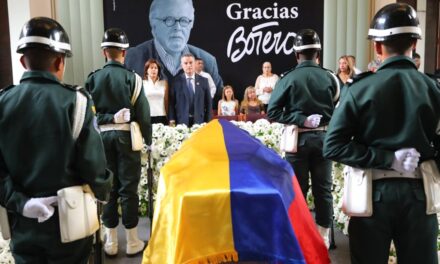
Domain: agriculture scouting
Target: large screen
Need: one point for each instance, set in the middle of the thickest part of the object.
(240, 34)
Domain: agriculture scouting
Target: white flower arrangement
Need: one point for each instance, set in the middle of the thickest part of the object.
(5, 252)
(167, 140)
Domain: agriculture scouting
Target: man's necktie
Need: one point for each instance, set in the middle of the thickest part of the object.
(190, 89)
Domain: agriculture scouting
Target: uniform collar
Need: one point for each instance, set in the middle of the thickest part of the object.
(307, 63)
(397, 59)
(39, 75)
(114, 63)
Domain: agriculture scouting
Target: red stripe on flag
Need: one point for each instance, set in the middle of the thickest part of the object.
(311, 243)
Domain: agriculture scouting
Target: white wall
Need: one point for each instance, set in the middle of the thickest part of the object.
(82, 19)
(381, 3)
(84, 22)
(41, 8)
(345, 32)
(420, 49)
(19, 13)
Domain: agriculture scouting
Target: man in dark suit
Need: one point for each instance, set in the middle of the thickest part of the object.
(190, 97)
(171, 23)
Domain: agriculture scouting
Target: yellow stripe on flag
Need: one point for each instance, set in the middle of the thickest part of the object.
(192, 219)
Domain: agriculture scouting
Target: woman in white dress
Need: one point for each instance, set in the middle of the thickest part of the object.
(265, 84)
(156, 91)
(228, 105)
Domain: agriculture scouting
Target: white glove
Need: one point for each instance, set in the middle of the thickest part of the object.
(102, 202)
(312, 121)
(122, 116)
(40, 208)
(405, 160)
(151, 148)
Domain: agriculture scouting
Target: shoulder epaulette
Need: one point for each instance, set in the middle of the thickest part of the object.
(69, 86)
(83, 91)
(330, 71)
(436, 78)
(286, 72)
(125, 68)
(128, 69)
(93, 72)
(134, 72)
(77, 88)
(6, 88)
(359, 76)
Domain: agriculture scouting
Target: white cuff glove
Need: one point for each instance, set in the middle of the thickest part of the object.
(312, 121)
(405, 160)
(122, 116)
(40, 208)
(151, 148)
(102, 202)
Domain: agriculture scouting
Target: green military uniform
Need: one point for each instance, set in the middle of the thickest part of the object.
(397, 107)
(38, 156)
(112, 88)
(306, 90)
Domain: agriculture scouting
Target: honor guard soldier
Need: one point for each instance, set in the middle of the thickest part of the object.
(306, 97)
(119, 99)
(39, 153)
(388, 123)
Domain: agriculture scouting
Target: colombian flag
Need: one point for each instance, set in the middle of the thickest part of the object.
(225, 197)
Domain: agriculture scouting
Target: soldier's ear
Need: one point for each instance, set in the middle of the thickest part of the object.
(378, 48)
(23, 62)
(59, 63)
(414, 45)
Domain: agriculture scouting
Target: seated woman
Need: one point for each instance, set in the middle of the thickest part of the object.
(265, 84)
(251, 104)
(228, 105)
(156, 91)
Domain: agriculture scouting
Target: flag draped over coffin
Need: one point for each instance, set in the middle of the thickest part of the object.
(224, 196)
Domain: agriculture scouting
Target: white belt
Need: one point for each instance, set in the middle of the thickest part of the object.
(386, 174)
(111, 127)
(321, 128)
